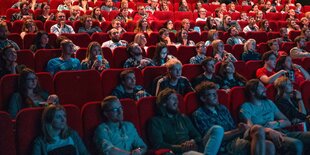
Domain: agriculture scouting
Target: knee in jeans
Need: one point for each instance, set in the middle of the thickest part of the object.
(270, 148)
(297, 146)
(217, 130)
(258, 131)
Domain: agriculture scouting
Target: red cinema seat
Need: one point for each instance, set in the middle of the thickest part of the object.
(273, 35)
(293, 34)
(46, 81)
(157, 25)
(195, 36)
(262, 48)
(128, 36)
(107, 54)
(306, 64)
(17, 26)
(113, 14)
(204, 36)
(52, 39)
(39, 24)
(164, 15)
(48, 24)
(26, 58)
(237, 51)
(80, 39)
(274, 26)
(200, 24)
(27, 131)
(17, 39)
(305, 88)
(78, 87)
(178, 24)
(9, 12)
(287, 46)
(100, 37)
(271, 92)
(251, 67)
(42, 56)
(149, 74)
(105, 26)
(190, 71)
(130, 26)
(185, 53)
(109, 85)
(235, 16)
(240, 67)
(153, 39)
(92, 117)
(120, 55)
(29, 39)
(54, 3)
(8, 85)
(258, 36)
(237, 98)
(7, 137)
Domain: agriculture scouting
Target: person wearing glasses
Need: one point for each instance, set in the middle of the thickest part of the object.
(115, 40)
(88, 27)
(136, 59)
(29, 93)
(201, 53)
(61, 26)
(116, 136)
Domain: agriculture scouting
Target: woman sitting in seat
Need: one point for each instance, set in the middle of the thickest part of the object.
(264, 26)
(212, 35)
(249, 51)
(88, 27)
(143, 27)
(41, 41)
(169, 25)
(29, 93)
(219, 52)
(140, 39)
(28, 27)
(161, 55)
(45, 15)
(8, 64)
(96, 14)
(182, 39)
(57, 137)
(123, 15)
(94, 58)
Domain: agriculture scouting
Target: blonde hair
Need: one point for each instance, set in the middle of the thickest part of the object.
(91, 45)
(247, 43)
(172, 62)
(215, 44)
(279, 84)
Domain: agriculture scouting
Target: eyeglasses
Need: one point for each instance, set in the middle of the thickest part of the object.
(114, 110)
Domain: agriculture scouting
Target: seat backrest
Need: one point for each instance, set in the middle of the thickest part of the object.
(149, 74)
(17, 39)
(48, 24)
(180, 15)
(130, 26)
(251, 67)
(164, 15)
(157, 25)
(80, 39)
(7, 137)
(108, 85)
(262, 48)
(78, 87)
(306, 64)
(26, 58)
(271, 92)
(273, 35)
(100, 37)
(293, 34)
(185, 53)
(17, 26)
(258, 36)
(29, 40)
(195, 36)
(305, 88)
(46, 81)
(287, 46)
(191, 71)
(42, 56)
(27, 131)
(120, 55)
(237, 51)
(237, 98)
(8, 85)
(128, 36)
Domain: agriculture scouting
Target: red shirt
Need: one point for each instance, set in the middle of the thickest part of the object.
(263, 71)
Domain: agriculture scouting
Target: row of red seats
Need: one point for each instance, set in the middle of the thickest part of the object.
(79, 87)
(90, 116)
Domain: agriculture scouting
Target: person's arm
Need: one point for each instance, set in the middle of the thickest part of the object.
(138, 144)
(303, 71)
(268, 80)
(37, 146)
(280, 120)
(55, 30)
(297, 53)
(245, 114)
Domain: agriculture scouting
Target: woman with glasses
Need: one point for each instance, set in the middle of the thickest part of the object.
(57, 137)
(29, 93)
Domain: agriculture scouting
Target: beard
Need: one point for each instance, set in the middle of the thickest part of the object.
(172, 111)
(3, 37)
(115, 39)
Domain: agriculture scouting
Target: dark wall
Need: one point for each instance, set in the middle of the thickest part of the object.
(303, 2)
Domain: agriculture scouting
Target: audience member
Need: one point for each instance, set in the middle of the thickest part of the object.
(57, 137)
(87, 26)
(143, 14)
(249, 51)
(173, 79)
(65, 62)
(182, 39)
(212, 35)
(290, 102)
(74, 13)
(266, 74)
(273, 44)
(125, 4)
(285, 9)
(65, 6)
(164, 7)
(305, 32)
(202, 15)
(254, 9)
(127, 87)
(45, 15)
(241, 139)
(29, 93)
(95, 58)
(210, 24)
(116, 136)
(300, 50)
(170, 129)
(136, 58)
(154, 6)
(161, 55)
(33, 4)
(292, 25)
(183, 6)
(108, 6)
(8, 64)
(264, 26)
(262, 111)
(283, 36)
(201, 53)
(143, 27)
(23, 14)
(259, 16)
(232, 8)
(140, 39)
(295, 73)
(244, 16)
(96, 14)
(116, 24)
(227, 23)
(234, 38)
(247, 3)
(219, 52)
(41, 41)
(28, 27)
(251, 27)
(84, 6)
(305, 23)
(164, 36)
(230, 78)
(115, 40)
(169, 26)
(61, 26)
(186, 25)
(123, 15)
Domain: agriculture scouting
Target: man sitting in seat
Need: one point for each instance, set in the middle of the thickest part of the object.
(108, 6)
(170, 129)
(201, 53)
(23, 14)
(300, 50)
(251, 27)
(273, 44)
(235, 38)
(241, 139)
(283, 36)
(259, 110)
(115, 40)
(4, 41)
(128, 88)
(65, 62)
(136, 59)
(173, 79)
(61, 26)
(116, 136)
(266, 74)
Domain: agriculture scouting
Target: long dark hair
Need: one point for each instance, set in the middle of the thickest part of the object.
(159, 47)
(37, 40)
